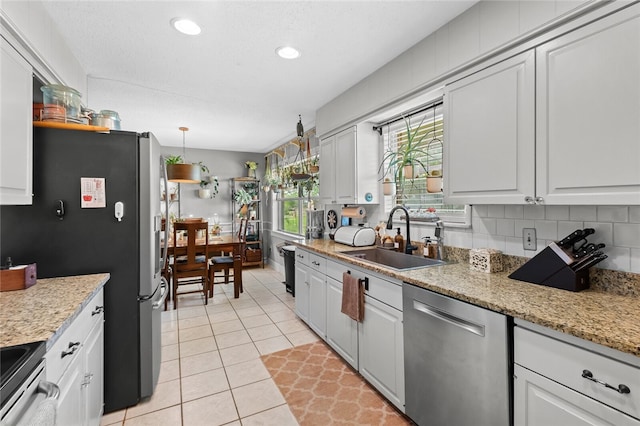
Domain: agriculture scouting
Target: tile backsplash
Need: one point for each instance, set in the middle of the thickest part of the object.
(500, 227)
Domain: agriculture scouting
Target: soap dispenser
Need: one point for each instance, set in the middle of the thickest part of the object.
(399, 242)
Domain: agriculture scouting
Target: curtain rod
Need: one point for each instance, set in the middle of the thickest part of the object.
(378, 127)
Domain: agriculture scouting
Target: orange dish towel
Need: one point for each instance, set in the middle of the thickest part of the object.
(352, 297)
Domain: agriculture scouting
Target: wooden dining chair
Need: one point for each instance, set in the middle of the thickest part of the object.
(190, 261)
(224, 263)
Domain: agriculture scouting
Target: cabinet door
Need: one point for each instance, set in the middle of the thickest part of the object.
(302, 292)
(318, 303)
(489, 134)
(381, 350)
(16, 128)
(328, 170)
(71, 399)
(342, 331)
(588, 113)
(94, 374)
(345, 168)
(543, 402)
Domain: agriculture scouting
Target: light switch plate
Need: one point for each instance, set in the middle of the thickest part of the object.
(529, 239)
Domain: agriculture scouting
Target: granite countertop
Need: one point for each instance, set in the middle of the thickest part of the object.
(602, 317)
(43, 311)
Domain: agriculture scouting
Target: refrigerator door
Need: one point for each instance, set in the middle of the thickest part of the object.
(153, 289)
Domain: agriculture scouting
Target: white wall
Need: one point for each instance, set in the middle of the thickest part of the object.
(49, 54)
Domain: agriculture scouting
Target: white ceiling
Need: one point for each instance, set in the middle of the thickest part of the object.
(226, 84)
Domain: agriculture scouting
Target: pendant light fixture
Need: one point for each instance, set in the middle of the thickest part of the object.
(183, 173)
(299, 128)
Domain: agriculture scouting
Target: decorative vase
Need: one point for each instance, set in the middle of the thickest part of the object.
(408, 171)
(204, 193)
(251, 173)
(314, 169)
(387, 187)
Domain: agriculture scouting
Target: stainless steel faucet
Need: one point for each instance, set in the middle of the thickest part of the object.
(409, 248)
(439, 237)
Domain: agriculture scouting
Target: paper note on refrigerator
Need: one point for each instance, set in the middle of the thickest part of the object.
(93, 193)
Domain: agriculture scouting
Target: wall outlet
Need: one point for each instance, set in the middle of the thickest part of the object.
(529, 239)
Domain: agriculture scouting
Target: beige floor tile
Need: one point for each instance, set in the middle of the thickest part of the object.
(117, 417)
(203, 384)
(169, 315)
(278, 416)
(238, 354)
(244, 301)
(169, 338)
(302, 337)
(274, 307)
(169, 326)
(256, 321)
(190, 312)
(227, 327)
(165, 395)
(266, 300)
(169, 352)
(194, 333)
(218, 299)
(249, 312)
(212, 410)
(234, 338)
(218, 317)
(169, 370)
(256, 397)
(200, 363)
(221, 305)
(273, 344)
(283, 315)
(168, 417)
(193, 322)
(291, 326)
(264, 332)
(246, 372)
(198, 346)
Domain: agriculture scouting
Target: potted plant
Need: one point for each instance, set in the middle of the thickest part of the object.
(242, 198)
(178, 171)
(407, 155)
(251, 168)
(314, 167)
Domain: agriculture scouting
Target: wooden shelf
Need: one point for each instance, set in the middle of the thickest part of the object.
(71, 126)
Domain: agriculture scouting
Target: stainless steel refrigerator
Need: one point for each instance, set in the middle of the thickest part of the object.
(81, 181)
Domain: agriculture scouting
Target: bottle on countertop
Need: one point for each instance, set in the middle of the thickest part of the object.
(399, 242)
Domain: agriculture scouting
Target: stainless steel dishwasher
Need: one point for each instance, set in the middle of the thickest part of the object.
(457, 364)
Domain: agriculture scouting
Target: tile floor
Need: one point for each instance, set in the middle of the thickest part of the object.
(211, 373)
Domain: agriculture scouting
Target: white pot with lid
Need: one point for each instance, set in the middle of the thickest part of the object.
(106, 118)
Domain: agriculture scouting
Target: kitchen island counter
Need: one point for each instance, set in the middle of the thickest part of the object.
(43, 311)
(601, 317)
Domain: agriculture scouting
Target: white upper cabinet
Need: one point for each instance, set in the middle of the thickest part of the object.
(559, 124)
(349, 166)
(588, 113)
(16, 128)
(489, 134)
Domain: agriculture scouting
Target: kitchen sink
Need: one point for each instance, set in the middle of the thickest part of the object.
(393, 259)
(16, 363)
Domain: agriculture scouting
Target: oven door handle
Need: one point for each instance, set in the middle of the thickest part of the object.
(51, 390)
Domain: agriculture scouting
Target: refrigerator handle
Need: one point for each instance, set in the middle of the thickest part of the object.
(163, 176)
(164, 291)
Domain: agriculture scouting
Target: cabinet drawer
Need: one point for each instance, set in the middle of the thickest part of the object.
(302, 256)
(317, 263)
(335, 270)
(68, 345)
(564, 363)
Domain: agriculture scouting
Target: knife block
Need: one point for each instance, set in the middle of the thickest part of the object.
(548, 269)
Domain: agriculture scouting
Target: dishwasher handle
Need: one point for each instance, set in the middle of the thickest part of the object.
(51, 390)
(449, 318)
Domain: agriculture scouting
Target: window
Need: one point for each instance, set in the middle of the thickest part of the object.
(294, 200)
(417, 139)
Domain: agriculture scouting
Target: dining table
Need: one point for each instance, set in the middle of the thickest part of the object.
(219, 243)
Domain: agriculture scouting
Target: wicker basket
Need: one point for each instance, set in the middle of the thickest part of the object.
(253, 254)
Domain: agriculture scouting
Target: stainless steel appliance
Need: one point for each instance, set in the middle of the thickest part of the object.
(315, 224)
(122, 238)
(457, 361)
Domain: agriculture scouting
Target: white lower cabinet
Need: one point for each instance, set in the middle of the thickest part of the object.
(375, 347)
(552, 385)
(342, 331)
(76, 364)
(381, 350)
(543, 402)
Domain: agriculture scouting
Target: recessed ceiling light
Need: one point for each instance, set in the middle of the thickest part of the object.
(185, 26)
(287, 52)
